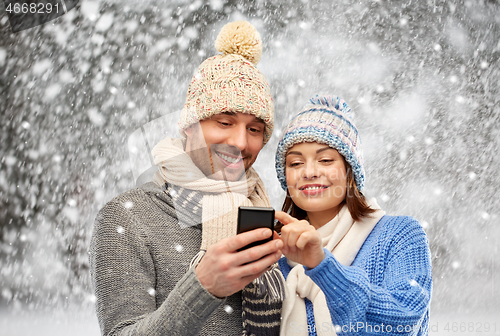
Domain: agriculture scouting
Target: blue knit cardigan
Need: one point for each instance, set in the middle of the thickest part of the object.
(386, 290)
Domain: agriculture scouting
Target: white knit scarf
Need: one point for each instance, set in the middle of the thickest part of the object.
(221, 199)
(343, 237)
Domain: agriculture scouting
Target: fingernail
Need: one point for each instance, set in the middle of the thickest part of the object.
(267, 233)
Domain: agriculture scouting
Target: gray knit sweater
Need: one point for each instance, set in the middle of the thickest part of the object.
(139, 257)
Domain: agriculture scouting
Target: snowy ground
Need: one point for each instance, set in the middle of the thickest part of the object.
(55, 323)
(84, 323)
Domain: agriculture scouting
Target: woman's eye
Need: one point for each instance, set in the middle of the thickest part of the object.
(223, 123)
(327, 160)
(294, 164)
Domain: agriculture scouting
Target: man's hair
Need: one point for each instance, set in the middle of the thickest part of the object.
(355, 200)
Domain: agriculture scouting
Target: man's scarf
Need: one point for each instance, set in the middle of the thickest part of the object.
(218, 201)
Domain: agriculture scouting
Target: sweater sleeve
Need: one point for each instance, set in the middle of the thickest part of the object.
(123, 277)
(397, 299)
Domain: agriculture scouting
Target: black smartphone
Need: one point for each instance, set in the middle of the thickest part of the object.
(250, 218)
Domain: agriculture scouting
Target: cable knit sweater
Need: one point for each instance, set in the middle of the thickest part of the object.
(386, 290)
(139, 257)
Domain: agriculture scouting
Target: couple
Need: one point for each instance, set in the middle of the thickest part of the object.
(164, 257)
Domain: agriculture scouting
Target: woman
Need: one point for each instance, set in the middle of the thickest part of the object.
(349, 268)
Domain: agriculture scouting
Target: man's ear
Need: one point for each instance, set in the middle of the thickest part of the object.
(189, 131)
(193, 130)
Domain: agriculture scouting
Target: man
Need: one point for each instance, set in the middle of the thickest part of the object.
(164, 257)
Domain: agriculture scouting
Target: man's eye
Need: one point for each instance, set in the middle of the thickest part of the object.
(254, 129)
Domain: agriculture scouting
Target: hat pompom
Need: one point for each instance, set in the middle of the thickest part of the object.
(333, 102)
(241, 38)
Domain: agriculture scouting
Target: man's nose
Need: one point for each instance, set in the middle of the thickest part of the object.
(238, 138)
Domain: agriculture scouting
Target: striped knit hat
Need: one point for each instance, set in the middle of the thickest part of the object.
(231, 82)
(326, 120)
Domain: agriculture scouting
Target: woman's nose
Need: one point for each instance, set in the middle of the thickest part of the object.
(310, 171)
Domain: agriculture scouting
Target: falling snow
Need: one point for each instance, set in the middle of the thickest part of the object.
(128, 204)
(421, 77)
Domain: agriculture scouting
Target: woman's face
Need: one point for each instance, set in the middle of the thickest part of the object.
(316, 177)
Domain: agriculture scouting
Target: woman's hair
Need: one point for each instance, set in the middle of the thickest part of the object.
(355, 200)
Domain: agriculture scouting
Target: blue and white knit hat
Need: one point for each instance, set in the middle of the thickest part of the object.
(326, 120)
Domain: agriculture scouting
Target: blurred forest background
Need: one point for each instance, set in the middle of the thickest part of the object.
(423, 78)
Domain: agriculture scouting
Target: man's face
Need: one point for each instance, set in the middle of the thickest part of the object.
(225, 145)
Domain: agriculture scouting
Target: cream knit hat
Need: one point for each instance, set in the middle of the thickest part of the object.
(231, 82)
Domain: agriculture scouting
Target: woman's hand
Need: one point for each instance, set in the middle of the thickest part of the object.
(301, 241)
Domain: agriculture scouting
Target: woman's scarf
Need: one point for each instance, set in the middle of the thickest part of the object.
(343, 237)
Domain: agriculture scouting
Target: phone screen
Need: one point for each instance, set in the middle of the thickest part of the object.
(250, 218)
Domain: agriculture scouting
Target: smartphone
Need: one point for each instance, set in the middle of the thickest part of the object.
(250, 218)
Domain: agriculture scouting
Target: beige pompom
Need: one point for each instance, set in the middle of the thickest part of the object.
(241, 38)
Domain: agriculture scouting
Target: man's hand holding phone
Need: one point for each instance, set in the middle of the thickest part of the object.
(229, 265)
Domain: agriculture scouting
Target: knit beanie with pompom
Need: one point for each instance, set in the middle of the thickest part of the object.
(231, 82)
(326, 120)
